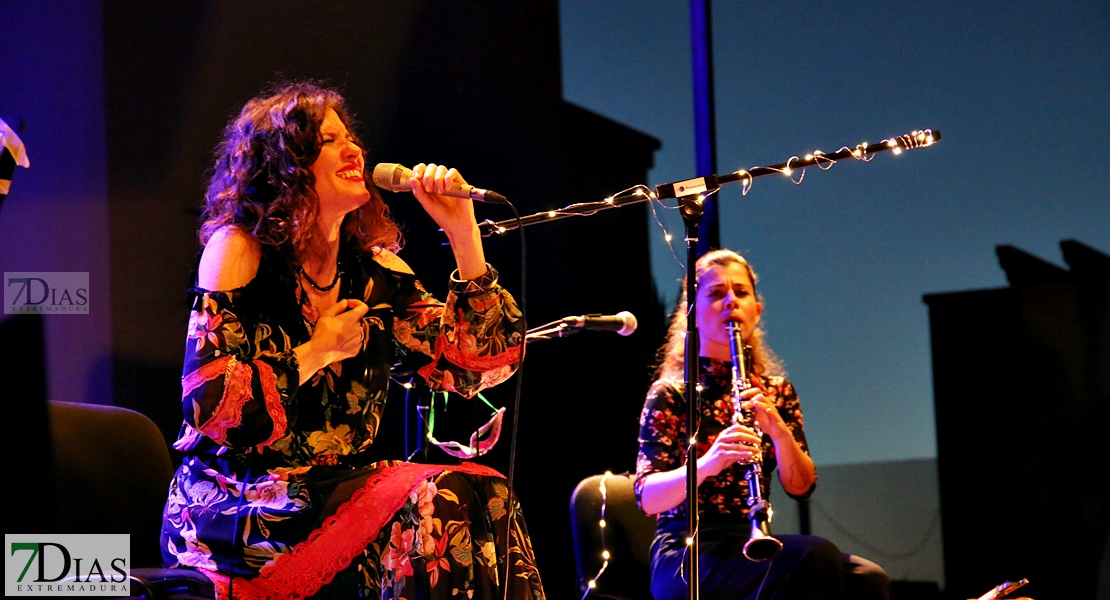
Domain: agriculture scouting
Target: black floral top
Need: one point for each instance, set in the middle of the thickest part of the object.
(722, 499)
(257, 443)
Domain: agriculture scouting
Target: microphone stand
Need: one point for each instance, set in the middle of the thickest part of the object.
(691, 208)
(691, 193)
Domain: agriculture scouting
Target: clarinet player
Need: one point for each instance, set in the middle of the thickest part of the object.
(806, 567)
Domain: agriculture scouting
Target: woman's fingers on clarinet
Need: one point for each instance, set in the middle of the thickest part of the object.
(754, 402)
(740, 434)
(748, 393)
(737, 431)
(742, 456)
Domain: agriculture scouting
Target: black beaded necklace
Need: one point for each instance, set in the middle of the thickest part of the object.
(320, 288)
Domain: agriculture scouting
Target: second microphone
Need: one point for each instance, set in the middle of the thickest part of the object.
(623, 322)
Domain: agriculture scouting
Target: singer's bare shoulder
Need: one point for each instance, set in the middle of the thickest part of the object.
(229, 261)
(391, 261)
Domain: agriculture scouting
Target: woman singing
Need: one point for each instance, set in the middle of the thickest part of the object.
(300, 310)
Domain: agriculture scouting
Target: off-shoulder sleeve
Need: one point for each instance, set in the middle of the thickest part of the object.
(239, 376)
(662, 431)
(474, 339)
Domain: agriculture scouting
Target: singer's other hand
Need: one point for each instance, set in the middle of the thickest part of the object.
(338, 334)
(453, 215)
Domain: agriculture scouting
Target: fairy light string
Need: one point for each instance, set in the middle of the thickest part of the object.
(605, 555)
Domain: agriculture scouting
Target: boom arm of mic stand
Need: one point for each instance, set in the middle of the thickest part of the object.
(862, 151)
(711, 183)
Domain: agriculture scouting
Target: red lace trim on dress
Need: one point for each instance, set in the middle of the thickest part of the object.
(207, 372)
(472, 362)
(272, 398)
(229, 412)
(314, 562)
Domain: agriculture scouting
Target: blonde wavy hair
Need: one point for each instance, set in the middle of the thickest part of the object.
(671, 355)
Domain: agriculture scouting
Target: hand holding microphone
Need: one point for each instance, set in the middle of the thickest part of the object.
(435, 187)
(396, 178)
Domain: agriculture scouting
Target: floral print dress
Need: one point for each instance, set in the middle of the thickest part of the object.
(722, 499)
(273, 498)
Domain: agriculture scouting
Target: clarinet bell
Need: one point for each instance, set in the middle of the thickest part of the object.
(761, 545)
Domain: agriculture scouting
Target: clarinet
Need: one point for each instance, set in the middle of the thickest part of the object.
(761, 545)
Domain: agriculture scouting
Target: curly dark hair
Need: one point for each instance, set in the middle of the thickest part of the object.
(671, 356)
(262, 182)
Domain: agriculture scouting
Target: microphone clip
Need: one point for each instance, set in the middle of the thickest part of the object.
(554, 329)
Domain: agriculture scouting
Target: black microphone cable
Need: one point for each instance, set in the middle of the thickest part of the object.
(523, 304)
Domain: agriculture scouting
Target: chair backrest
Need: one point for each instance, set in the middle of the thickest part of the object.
(112, 468)
(627, 537)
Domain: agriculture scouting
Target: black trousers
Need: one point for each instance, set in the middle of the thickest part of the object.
(807, 568)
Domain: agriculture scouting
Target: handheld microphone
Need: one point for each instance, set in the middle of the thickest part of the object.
(395, 178)
(623, 322)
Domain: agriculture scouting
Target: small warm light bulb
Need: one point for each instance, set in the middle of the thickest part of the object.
(592, 584)
(608, 473)
(501, 230)
(689, 541)
(667, 237)
(406, 385)
(551, 213)
(896, 151)
(809, 157)
(857, 153)
(891, 143)
(601, 523)
(787, 171)
(609, 200)
(605, 555)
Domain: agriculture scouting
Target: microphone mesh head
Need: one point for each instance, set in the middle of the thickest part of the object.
(630, 322)
(391, 176)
